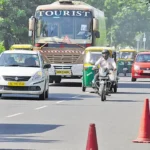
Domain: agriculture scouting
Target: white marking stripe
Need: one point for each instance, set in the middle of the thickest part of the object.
(14, 115)
(40, 107)
(59, 102)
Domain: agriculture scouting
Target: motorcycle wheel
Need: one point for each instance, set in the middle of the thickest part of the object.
(102, 92)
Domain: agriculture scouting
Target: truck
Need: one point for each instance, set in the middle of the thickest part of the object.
(61, 31)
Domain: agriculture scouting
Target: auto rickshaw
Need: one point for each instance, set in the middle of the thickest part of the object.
(91, 55)
(125, 60)
(21, 47)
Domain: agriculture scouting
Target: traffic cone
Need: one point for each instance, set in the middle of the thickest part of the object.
(144, 132)
(92, 139)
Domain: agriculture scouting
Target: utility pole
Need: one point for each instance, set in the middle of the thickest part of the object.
(144, 40)
(138, 42)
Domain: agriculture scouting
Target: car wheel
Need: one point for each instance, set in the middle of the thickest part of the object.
(46, 93)
(50, 80)
(133, 79)
(58, 79)
(42, 96)
(115, 88)
(83, 87)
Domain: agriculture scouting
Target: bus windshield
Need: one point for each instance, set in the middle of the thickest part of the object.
(76, 25)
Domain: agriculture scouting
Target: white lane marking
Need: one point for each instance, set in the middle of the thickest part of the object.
(14, 115)
(68, 98)
(59, 102)
(76, 96)
(40, 107)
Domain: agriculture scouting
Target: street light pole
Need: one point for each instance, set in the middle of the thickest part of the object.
(144, 40)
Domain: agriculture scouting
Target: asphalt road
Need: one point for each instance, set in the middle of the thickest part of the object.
(62, 121)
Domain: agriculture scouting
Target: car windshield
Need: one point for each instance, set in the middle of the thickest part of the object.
(92, 57)
(19, 59)
(143, 58)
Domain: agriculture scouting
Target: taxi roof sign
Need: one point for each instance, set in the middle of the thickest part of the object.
(21, 47)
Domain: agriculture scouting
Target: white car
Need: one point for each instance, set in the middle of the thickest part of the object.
(24, 72)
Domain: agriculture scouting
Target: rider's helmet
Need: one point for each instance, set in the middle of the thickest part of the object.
(105, 54)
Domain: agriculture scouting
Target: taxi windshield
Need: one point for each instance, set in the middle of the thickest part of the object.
(92, 57)
(19, 59)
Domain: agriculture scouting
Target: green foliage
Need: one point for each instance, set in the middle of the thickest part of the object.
(2, 48)
(125, 19)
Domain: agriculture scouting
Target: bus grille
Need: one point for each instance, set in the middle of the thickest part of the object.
(63, 56)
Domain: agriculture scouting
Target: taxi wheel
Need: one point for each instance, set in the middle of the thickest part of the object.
(133, 79)
(47, 93)
(43, 95)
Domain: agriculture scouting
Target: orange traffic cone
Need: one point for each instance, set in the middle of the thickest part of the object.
(144, 132)
(92, 140)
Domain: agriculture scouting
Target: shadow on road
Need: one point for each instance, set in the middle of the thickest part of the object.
(51, 97)
(124, 101)
(132, 93)
(12, 132)
(13, 149)
(68, 84)
(68, 97)
(18, 97)
(133, 85)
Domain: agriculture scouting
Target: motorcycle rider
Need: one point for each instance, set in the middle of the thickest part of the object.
(106, 62)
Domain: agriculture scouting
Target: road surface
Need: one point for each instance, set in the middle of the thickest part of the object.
(62, 121)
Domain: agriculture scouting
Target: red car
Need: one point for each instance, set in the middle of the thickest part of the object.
(141, 66)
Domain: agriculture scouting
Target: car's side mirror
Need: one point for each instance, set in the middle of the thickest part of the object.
(47, 66)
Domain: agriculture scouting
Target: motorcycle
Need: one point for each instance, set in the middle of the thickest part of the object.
(103, 86)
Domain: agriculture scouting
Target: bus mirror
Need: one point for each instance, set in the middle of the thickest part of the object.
(31, 23)
(97, 34)
(95, 24)
(39, 24)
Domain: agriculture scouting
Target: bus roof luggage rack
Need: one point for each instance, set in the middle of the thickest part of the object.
(65, 1)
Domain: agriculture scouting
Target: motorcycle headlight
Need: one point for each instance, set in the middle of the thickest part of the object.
(37, 76)
(136, 67)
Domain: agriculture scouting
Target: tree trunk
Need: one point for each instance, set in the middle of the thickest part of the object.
(6, 43)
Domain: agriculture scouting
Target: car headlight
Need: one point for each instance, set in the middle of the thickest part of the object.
(136, 67)
(37, 76)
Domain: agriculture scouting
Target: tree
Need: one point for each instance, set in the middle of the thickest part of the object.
(126, 19)
(14, 20)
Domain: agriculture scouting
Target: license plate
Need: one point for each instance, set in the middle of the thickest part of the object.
(125, 68)
(146, 71)
(16, 84)
(63, 72)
